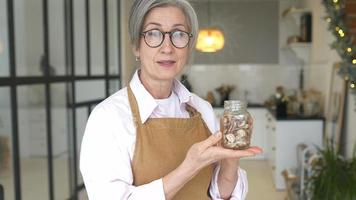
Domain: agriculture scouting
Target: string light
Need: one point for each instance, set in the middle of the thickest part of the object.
(352, 85)
(343, 44)
(341, 33)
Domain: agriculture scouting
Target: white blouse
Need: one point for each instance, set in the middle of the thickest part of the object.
(109, 142)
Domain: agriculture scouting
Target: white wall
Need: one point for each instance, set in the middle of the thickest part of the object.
(250, 29)
(4, 61)
(323, 58)
(258, 80)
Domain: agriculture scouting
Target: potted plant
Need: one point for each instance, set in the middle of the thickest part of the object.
(333, 177)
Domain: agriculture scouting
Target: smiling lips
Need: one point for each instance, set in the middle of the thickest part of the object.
(166, 63)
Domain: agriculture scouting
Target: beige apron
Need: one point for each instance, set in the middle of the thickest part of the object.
(161, 146)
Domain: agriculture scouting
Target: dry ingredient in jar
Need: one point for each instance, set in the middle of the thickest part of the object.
(236, 125)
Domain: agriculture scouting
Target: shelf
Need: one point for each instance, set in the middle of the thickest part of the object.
(302, 50)
(295, 13)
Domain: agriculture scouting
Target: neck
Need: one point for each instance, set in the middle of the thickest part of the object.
(159, 89)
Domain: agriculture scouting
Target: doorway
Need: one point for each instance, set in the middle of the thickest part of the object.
(58, 59)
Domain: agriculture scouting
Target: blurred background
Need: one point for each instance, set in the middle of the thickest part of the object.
(58, 59)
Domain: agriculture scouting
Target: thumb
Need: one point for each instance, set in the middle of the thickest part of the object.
(212, 140)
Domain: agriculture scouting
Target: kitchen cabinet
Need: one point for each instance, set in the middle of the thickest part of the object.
(259, 132)
(283, 137)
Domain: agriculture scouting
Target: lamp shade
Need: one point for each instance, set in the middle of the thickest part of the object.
(210, 40)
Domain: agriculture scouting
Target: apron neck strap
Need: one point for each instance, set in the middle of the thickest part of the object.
(134, 106)
(136, 114)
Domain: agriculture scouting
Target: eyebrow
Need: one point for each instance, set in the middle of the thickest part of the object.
(157, 24)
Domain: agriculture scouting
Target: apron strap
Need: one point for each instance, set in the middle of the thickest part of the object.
(136, 114)
(191, 110)
(134, 107)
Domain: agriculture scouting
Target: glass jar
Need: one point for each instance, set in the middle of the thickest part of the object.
(236, 125)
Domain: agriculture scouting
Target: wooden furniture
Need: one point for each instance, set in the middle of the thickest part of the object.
(291, 182)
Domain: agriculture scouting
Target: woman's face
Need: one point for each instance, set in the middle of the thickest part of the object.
(165, 61)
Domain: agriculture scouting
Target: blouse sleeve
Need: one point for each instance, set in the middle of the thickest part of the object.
(240, 190)
(105, 162)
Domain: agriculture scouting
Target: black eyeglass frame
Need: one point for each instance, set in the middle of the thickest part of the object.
(190, 35)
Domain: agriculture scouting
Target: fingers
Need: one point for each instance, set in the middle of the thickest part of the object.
(254, 149)
(212, 140)
(222, 153)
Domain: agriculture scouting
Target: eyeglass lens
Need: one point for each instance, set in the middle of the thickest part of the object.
(154, 38)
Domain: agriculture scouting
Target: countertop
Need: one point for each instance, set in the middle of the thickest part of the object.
(273, 113)
(295, 117)
(252, 105)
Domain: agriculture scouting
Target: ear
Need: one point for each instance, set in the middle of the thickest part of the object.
(136, 51)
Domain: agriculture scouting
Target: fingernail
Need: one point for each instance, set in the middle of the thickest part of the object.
(218, 134)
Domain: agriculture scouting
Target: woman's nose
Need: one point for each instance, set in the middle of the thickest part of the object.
(167, 46)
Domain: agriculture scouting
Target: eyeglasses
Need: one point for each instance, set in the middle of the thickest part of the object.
(154, 38)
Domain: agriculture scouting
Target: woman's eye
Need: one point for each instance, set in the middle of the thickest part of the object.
(153, 33)
(179, 34)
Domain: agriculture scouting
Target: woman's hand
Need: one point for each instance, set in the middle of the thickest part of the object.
(208, 151)
(200, 155)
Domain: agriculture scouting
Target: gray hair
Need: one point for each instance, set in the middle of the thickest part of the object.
(140, 8)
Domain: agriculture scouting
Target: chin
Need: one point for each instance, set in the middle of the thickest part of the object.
(166, 75)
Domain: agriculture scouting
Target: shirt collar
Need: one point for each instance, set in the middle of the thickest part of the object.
(145, 101)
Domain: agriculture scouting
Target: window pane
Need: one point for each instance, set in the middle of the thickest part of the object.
(33, 142)
(56, 36)
(82, 116)
(89, 90)
(6, 149)
(28, 37)
(4, 50)
(80, 38)
(113, 37)
(60, 141)
(113, 86)
(97, 37)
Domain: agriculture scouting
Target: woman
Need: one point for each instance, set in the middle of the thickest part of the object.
(153, 139)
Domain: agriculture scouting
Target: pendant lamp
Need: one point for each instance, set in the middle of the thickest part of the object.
(210, 39)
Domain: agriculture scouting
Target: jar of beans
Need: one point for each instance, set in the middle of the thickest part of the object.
(236, 125)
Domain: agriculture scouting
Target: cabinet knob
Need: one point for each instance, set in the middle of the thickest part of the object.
(273, 148)
(273, 128)
(273, 167)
